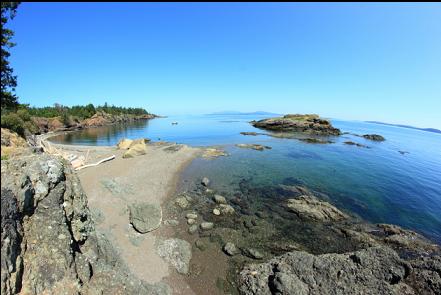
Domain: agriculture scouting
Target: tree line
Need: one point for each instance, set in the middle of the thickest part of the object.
(82, 112)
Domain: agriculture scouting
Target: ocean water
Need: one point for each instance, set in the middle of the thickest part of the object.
(378, 183)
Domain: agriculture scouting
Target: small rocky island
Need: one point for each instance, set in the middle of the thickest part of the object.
(308, 123)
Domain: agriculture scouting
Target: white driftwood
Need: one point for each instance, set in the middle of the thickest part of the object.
(97, 163)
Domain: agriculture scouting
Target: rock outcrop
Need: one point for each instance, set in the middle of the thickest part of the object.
(11, 143)
(49, 244)
(311, 208)
(310, 123)
(45, 125)
(103, 118)
(376, 270)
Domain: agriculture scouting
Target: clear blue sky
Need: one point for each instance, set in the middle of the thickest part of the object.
(349, 61)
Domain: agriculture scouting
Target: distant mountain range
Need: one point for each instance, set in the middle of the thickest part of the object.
(258, 113)
(407, 126)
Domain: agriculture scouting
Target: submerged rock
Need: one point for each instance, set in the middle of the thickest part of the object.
(377, 270)
(315, 140)
(226, 209)
(145, 217)
(374, 137)
(200, 245)
(257, 147)
(207, 225)
(219, 199)
(355, 143)
(216, 211)
(205, 181)
(309, 123)
(193, 228)
(251, 133)
(191, 216)
(176, 252)
(210, 153)
(311, 208)
(182, 202)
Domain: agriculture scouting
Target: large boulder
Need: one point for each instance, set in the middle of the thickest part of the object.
(311, 208)
(376, 270)
(124, 144)
(145, 217)
(136, 148)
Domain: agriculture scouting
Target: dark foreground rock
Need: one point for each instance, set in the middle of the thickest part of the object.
(376, 270)
(49, 244)
(309, 123)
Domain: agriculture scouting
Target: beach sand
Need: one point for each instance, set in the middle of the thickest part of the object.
(112, 186)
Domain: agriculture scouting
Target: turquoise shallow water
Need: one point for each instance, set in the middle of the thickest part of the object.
(379, 184)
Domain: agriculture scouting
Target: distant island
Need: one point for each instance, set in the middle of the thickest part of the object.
(407, 126)
(259, 113)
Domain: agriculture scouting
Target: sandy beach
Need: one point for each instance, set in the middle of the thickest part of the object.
(114, 185)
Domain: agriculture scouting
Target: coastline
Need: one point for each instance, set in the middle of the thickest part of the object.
(115, 185)
(154, 177)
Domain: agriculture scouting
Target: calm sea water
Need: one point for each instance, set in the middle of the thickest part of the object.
(379, 184)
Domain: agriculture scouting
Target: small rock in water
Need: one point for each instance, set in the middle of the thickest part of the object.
(191, 221)
(226, 209)
(230, 249)
(207, 225)
(252, 253)
(192, 229)
(200, 245)
(191, 216)
(219, 199)
(374, 137)
(216, 211)
(205, 181)
(182, 202)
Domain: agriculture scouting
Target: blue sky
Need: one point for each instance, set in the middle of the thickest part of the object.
(348, 61)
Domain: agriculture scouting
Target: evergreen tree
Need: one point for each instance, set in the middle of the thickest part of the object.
(8, 80)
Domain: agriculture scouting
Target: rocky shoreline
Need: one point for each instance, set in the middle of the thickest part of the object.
(275, 246)
(256, 240)
(99, 119)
